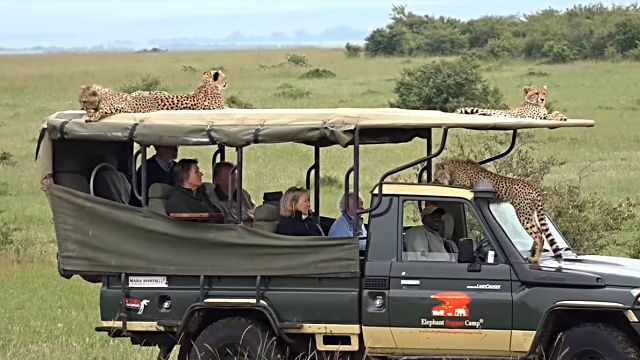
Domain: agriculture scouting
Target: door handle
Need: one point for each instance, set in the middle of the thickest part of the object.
(410, 282)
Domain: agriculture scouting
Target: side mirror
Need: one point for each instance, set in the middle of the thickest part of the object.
(465, 251)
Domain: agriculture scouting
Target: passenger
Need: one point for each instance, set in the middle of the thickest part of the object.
(343, 226)
(189, 196)
(158, 170)
(220, 194)
(296, 218)
(425, 240)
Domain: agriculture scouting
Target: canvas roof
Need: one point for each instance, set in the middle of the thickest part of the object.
(242, 127)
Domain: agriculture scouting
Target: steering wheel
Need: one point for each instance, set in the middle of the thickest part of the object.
(482, 250)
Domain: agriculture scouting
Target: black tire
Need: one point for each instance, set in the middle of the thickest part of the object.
(235, 338)
(594, 341)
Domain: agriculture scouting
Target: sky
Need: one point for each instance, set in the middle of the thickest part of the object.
(67, 23)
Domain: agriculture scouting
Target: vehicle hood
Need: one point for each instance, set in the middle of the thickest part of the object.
(616, 271)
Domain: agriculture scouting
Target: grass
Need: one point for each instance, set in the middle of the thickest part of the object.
(45, 314)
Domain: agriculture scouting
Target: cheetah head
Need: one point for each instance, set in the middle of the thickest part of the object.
(535, 95)
(442, 175)
(89, 98)
(215, 77)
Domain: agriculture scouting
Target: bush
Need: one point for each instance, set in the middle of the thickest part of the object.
(558, 52)
(287, 90)
(318, 73)
(504, 48)
(633, 54)
(189, 68)
(6, 159)
(235, 102)
(353, 50)
(297, 60)
(445, 85)
(7, 234)
(146, 83)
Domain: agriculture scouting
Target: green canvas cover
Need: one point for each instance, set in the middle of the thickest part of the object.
(243, 127)
(97, 235)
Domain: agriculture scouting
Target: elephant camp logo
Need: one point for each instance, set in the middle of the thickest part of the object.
(452, 312)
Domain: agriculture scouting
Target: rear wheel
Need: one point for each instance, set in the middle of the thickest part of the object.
(235, 338)
(594, 341)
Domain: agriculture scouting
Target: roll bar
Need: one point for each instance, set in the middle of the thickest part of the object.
(514, 136)
(408, 165)
(142, 195)
(134, 175)
(95, 171)
(315, 169)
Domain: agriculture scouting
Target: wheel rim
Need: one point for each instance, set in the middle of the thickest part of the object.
(589, 354)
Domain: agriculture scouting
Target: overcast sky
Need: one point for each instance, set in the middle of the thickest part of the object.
(90, 22)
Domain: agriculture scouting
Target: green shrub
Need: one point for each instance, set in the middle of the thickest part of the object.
(558, 52)
(189, 68)
(146, 83)
(353, 50)
(235, 102)
(445, 85)
(289, 91)
(297, 60)
(318, 73)
(6, 158)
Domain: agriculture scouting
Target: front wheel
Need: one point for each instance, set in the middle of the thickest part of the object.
(235, 338)
(594, 341)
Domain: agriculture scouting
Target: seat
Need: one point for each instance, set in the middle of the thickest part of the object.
(265, 217)
(109, 183)
(272, 198)
(72, 180)
(158, 197)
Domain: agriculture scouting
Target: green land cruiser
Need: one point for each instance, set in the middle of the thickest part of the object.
(230, 290)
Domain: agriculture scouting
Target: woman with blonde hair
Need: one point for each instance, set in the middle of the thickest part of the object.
(296, 218)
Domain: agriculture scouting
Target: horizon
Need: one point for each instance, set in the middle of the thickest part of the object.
(100, 23)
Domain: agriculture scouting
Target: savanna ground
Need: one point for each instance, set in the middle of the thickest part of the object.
(43, 315)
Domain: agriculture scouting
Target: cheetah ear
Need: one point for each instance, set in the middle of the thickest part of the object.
(526, 89)
(216, 76)
(94, 92)
(544, 87)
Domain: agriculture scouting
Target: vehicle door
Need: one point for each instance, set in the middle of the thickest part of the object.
(440, 306)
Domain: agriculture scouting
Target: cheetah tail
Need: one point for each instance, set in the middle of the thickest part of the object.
(544, 226)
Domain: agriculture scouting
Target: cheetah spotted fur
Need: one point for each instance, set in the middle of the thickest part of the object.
(533, 107)
(522, 195)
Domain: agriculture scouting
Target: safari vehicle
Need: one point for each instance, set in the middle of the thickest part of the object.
(217, 290)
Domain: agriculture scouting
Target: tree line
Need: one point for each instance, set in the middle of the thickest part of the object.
(579, 33)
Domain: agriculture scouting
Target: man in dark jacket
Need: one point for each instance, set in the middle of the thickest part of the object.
(158, 170)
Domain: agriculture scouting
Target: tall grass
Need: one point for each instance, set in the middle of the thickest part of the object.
(44, 314)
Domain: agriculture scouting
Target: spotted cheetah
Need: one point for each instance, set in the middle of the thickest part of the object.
(99, 101)
(523, 196)
(208, 96)
(533, 107)
(149, 93)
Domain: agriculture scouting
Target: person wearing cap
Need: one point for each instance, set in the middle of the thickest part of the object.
(424, 242)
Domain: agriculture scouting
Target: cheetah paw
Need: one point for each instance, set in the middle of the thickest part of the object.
(557, 115)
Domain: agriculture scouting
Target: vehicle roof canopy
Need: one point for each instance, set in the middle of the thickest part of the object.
(242, 127)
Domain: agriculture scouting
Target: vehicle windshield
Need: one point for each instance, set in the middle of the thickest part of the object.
(505, 214)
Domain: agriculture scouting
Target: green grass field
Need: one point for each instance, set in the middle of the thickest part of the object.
(44, 315)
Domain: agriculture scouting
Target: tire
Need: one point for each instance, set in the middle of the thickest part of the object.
(236, 338)
(594, 341)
